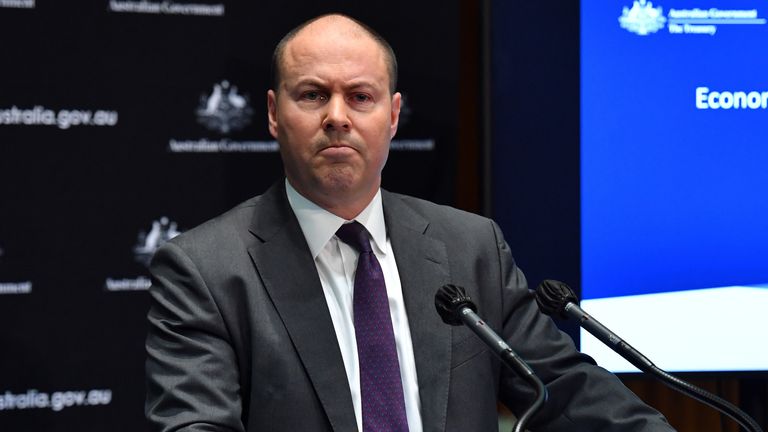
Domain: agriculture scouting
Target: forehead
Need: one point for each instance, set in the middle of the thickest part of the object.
(340, 51)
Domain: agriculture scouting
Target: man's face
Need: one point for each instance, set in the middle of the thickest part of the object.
(333, 114)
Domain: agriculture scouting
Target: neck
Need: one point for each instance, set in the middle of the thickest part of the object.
(345, 205)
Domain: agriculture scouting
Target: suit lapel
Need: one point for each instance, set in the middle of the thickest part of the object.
(286, 267)
(423, 266)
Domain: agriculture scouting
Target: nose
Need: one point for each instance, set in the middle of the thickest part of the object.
(336, 118)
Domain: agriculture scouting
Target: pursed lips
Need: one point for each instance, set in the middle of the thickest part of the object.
(337, 150)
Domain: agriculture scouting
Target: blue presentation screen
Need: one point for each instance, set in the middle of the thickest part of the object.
(674, 187)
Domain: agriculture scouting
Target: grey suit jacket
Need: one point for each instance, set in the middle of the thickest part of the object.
(240, 337)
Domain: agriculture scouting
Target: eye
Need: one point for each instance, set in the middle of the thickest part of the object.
(313, 95)
(362, 98)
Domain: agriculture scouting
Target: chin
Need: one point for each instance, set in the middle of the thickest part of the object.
(335, 182)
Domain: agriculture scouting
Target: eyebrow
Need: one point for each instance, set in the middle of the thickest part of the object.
(354, 84)
(310, 82)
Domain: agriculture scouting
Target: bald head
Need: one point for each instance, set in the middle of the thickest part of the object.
(341, 24)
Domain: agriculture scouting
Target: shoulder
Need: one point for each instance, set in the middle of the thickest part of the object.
(230, 223)
(238, 228)
(441, 219)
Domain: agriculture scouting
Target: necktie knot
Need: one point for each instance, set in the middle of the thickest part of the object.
(355, 235)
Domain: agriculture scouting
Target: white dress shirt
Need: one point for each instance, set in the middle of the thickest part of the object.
(336, 262)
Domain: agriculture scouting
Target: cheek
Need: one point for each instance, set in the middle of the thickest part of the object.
(297, 122)
(378, 149)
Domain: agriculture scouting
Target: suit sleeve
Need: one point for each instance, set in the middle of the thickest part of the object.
(191, 368)
(582, 396)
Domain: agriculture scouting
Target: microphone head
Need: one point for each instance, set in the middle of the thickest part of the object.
(552, 296)
(449, 300)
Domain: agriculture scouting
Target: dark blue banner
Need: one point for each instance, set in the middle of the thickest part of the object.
(674, 145)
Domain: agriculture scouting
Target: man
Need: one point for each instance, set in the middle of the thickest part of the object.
(255, 323)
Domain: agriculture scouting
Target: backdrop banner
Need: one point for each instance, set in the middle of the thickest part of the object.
(124, 123)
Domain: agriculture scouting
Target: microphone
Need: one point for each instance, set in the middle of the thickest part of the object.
(557, 298)
(456, 308)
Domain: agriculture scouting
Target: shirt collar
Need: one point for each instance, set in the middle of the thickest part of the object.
(320, 225)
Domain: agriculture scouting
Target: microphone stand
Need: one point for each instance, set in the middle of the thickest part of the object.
(456, 308)
(557, 297)
(634, 356)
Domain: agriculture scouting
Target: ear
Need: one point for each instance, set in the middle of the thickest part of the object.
(272, 113)
(395, 114)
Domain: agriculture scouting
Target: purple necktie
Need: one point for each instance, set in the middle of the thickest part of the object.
(380, 386)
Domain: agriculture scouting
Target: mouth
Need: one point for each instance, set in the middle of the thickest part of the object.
(337, 150)
(334, 145)
(337, 144)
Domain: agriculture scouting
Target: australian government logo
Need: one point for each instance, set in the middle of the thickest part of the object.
(162, 230)
(643, 19)
(223, 110)
(166, 8)
(148, 242)
(15, 287)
